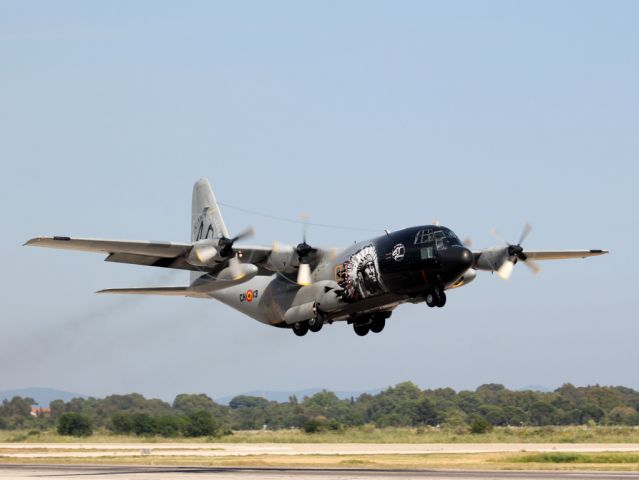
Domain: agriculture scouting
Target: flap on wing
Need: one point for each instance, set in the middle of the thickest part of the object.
(155, 254)
(156, 249)
(561, 254)
(166, 291)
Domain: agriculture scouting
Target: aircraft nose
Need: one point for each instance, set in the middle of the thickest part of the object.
(456, 259)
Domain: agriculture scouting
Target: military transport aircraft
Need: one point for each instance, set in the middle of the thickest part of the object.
(304, 287)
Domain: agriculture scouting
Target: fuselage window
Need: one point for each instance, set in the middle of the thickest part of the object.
(426, 253)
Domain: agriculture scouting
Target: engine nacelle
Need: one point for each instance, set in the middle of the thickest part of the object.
(283, 259)
(300, 313)
(225, 278)
(202, 253)
(312, 300)
(491, 259)
(468, 276)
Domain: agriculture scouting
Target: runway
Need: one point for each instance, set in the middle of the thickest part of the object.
(210, 473)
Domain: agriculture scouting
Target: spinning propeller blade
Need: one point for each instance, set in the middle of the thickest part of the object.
(304, 250)
(304, 275)
(506, 269)
(226, 244)
(515, 253)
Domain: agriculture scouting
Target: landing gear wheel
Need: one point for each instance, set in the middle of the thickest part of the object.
(315, 324)
(361, 330)
(431, 299)
(300, 328)
(442, 299)
(378, 324)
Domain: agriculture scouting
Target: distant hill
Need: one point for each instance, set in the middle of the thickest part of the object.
(536, 388)
(42, 396)
(282, 396)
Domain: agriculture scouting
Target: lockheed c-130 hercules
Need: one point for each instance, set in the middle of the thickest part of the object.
(304, 287)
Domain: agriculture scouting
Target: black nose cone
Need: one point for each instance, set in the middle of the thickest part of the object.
(455, 260)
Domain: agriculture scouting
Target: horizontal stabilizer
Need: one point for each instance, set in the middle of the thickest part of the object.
(166, 291)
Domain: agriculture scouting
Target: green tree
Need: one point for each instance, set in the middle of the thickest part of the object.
(623, 416)
(75, 424)
(541, 413)
(187, 403)
(143, 424)
(168, 425)
(200, 424)
(247, 401)
(121, 423)
(425, 413)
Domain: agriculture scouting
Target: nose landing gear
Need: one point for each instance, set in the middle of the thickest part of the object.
(436, 298)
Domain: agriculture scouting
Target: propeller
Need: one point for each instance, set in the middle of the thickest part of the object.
(226, 250)
(304, 250)
(515, 253)
(226, 244)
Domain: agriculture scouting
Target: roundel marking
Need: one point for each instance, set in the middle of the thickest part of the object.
(249, 296)
(398, 252)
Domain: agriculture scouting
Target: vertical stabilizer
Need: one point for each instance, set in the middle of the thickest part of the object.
(206, 219)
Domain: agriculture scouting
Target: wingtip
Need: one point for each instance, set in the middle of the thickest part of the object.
(103, 291)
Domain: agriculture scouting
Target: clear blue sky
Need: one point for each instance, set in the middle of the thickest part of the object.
(372, 114)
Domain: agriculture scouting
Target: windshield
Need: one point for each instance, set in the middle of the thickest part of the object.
(440, 237)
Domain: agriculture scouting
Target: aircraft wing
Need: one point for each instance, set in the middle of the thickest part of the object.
(150, 253)
(561, 254)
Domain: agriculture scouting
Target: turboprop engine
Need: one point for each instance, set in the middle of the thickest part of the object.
(314, 301)
(203, 253)
(227, 277)
(468, 276)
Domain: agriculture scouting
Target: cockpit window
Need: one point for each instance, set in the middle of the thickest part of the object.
(441, 237)
(424, 236)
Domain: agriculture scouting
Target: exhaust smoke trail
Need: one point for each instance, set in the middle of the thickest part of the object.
(63, 331)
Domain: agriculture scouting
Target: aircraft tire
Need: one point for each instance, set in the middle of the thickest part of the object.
(431, 299)
(441, 299)
(300, 328)
(315, 324)
(378, 324)
(361, 330)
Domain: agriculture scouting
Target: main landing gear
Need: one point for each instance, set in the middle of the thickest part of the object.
(374, 322)
(314, 325)
(362, 324)
(436, 298)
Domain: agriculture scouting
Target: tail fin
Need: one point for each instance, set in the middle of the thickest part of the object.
(206, 219)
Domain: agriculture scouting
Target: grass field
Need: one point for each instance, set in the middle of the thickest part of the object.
(365, 434)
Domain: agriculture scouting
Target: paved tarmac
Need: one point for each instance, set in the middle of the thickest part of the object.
(230, 473)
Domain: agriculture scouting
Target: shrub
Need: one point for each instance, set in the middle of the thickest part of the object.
(314, 425)
(168, 425)
(121, 423)
(75, 424)
(479, 425)
(143, 424)
(200, 424)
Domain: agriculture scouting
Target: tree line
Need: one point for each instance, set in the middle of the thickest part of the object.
(403, 405)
